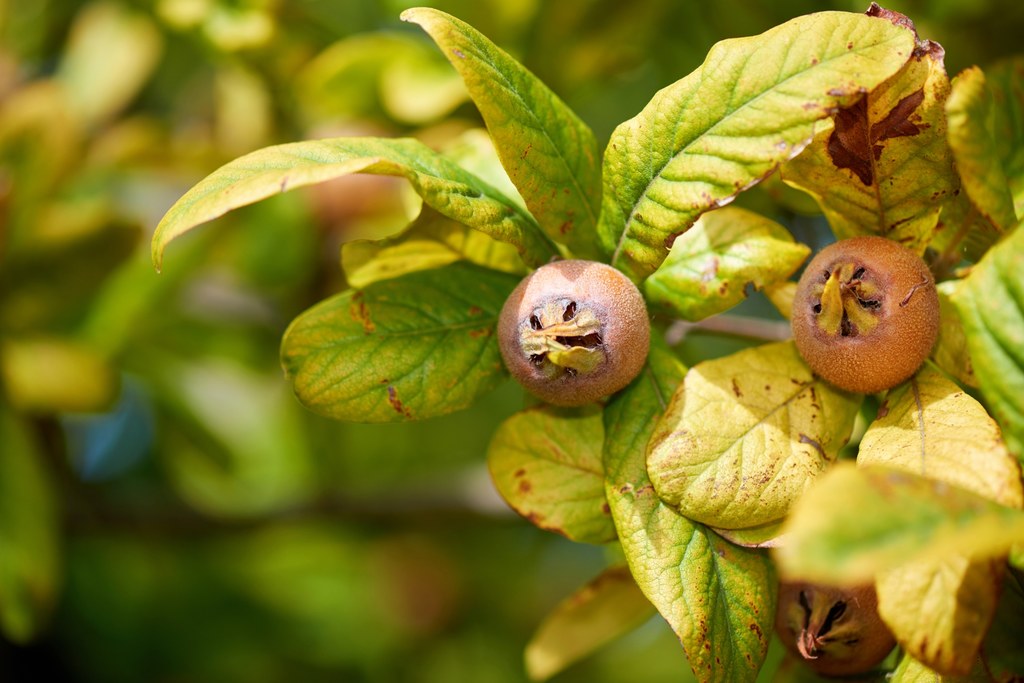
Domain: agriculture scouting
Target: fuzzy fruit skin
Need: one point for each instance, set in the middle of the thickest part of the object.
(620, 313)
(907, 317)
(835, 631)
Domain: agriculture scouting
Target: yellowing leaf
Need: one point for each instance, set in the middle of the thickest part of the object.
(1007, 87)
(858, 521)
(549, 153)
(969, 110)
(443, 185)
(746, 435)
(929, 426)
(991, 305)
(711, 264)
(546, 463)
(753, 104)
(718, 598)
(884, 168)
(609, 606)
(938, 609)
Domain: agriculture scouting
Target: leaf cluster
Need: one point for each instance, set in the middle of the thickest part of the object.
(716, 479)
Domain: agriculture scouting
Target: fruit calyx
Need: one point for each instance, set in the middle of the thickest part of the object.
(563, 337)
(822, 625)
(849, 301)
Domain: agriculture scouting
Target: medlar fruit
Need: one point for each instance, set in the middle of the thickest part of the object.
(865, 314)
(835, 631)
(574, 331)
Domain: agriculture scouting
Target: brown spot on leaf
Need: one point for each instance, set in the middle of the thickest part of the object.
(525, 486)
(527, 150)
(757, 630)
(520, 472)
(897, 19)
(671, 239)
(475, 310)
(459, 53)
(856, 141)
(482, 332)
(360, 312)
(565, 227)
(883, 410)
(606, 508)
(396, 403)
(736, 388)
(813, 444)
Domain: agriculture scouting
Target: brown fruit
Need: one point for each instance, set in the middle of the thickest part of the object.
(865, 314)
(574, 331)
(835, 631)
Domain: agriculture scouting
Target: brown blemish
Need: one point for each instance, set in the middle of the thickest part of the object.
(520, 472)
(483, 332)
(736, 388)
(606, 508)
(361, 313)
(856, 142)
(565, 227)
(527, 151)
(396, 403)
(813, 444)
(459, 53)
(475, 310)
(525, 486)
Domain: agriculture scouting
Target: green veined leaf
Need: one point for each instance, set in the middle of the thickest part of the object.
(608, 607)
(441, 183)
(711, 264)
(718, 598)
(410, 348)
(550, 154)
(29, 540)
(546, 463)
(950, 351)
(746, 435)
(856, 522)
(991, 305)
(969, 110)
(754, 103)
(884, 168)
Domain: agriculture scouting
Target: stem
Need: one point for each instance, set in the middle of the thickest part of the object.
(736, 325)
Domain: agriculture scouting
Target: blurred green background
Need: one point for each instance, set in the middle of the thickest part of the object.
(167, 511)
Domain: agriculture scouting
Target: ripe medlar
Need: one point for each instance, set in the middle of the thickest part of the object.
(865, 314)
(574, 331)
(835, 631)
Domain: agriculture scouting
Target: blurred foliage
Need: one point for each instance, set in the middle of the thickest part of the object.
(167, 511)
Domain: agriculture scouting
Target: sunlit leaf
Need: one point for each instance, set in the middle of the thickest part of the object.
(29, 534)
(969, 110)
(546, 463)
(711, 264)
(884, 167)
(413, 347)
(604, 609)
(550, 154)
(441, 183)
(929, 426)
(856, 522)
(50, 375)
(431, 242)
(718, 598)
(991, 305)
(105, 34)
(950, 351)
(754, 103)
(746, 435)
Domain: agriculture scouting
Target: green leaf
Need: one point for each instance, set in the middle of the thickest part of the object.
(606, 608)
(884, 168)
(718, 598)
(856, 522)
(410, 348)
(746, 435)
(550, 154)
(969, 111)
(912, 671)
(431, 241)
(754, 103)
(950, 351)
(29, 535)
(711, 264)
(443, 185)
(1003, 654)
(938, 610)
(991, 305)
(546, 463)
(1006, 84)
